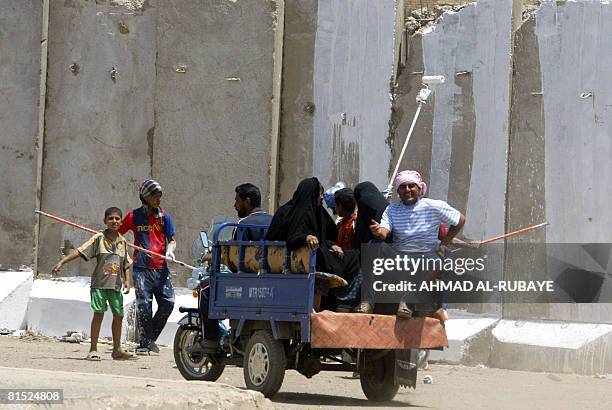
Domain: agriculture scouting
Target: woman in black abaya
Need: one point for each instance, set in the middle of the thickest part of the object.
(371, 204)
(304, 221)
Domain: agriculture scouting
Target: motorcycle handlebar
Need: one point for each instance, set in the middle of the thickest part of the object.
(183, 309)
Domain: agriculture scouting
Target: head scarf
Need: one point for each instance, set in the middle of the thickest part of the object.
(371, 204)
(410, 177)
(328, 197)
(148, 188)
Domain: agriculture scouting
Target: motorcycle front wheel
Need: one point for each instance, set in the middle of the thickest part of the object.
(194, 365)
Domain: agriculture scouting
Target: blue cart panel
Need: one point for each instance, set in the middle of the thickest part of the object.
(259, 296)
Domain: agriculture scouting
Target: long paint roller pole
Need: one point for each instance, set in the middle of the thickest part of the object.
(421, 99)
(138, 248)
(399, 161)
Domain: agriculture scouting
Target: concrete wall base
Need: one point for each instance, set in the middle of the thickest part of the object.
(58, 306)
(560, 347)
(469, 339)
(14, 295)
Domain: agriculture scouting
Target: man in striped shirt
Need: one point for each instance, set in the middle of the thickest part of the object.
(415, 222)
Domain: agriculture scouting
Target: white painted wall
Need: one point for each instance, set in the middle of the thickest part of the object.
(354, 54)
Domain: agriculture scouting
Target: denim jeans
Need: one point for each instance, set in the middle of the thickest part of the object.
(151, 283)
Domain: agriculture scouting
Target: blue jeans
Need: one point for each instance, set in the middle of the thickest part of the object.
(151, 283)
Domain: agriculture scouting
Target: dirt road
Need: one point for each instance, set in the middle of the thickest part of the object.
(454, 387)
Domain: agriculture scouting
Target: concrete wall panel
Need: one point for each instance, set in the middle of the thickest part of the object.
(571, 154)
(20, 36)
(212, 121)
(461, 46)
(575, 40)
(354, 55)
(465, 136)
(418, 152)
(526, 191)
(98, 125)
(297, 106)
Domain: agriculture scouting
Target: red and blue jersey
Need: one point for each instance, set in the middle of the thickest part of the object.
(150, 232)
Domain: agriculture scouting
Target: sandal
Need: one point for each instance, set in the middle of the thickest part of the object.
(403, 311)
(121, 355)
(93, 357)
(364, 307)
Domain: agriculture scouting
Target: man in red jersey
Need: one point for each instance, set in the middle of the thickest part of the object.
(153, 229)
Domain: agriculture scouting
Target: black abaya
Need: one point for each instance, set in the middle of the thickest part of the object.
(371, 204)
(304, 215)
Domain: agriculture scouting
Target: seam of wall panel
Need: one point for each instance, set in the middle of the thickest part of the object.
(516, 15)
(40, 137)
(277, 56)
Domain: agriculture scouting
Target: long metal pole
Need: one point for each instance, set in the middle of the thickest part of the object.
(138, 248)
(513, 233)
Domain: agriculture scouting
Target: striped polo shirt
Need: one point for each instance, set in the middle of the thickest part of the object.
(415, 227)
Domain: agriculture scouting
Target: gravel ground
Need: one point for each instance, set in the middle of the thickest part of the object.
(455, 387)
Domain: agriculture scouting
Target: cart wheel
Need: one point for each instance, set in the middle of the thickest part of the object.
(194, 365)
(264, 363)
(377, 376)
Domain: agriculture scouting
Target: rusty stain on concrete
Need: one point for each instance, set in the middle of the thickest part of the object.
(123, 27)
(345, 158)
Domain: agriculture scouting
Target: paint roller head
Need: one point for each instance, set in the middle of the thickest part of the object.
(433, 79)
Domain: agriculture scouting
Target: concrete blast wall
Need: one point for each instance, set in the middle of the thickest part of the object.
(212, 122)
(178, 91)
(560, 146)
(100, 90)
(460, 144)
(20, 37)
(339, 61)
(551, 106)
(352, 69)
(182, 91)
(297, 108)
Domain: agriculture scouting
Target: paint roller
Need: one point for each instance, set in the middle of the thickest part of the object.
(421, 98)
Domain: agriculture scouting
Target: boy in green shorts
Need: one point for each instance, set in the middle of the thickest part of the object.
(112, 269)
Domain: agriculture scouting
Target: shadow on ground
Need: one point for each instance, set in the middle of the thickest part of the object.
(329, 400)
